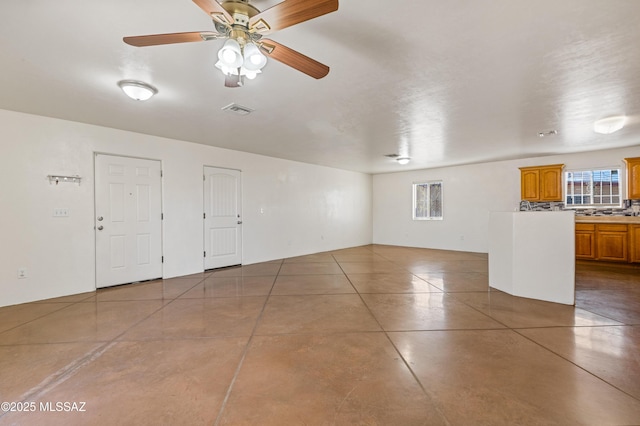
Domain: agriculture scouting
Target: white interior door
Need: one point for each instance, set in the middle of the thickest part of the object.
(222, 218)
(128, 220)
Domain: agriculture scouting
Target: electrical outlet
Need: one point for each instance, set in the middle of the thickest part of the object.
(22, 273)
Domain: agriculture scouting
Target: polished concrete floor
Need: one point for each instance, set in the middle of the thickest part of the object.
(372, 335)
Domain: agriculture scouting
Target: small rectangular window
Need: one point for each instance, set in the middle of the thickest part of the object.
(427, 200)
(593, 188)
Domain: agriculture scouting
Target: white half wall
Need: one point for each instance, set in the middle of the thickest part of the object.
(469, 193)
(289, 208)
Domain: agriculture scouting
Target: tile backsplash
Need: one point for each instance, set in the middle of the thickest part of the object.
(632, 210)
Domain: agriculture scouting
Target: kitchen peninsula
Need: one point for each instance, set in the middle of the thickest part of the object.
(532, 254)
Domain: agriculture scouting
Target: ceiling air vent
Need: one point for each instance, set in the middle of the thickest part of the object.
(238, 109)
(392, 155)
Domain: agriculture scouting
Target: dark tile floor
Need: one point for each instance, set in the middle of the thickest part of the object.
(372, 335)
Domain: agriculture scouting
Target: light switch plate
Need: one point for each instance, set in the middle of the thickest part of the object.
(61, 212)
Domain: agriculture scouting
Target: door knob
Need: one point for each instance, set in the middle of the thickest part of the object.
(100, 228)
(100, 218)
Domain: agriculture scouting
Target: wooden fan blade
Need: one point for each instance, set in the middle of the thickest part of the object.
(290, 12)
(157, 39)
(294, 59)
(214, 10)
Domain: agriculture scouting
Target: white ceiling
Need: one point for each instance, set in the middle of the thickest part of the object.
(442, 81)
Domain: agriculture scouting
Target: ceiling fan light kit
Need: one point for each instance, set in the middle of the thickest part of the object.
(230, 55)
(253, 59)
(137, 90)
(235, 60)
(243, 26)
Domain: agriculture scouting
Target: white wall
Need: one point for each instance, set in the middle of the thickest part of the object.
(289, 208)
(469, 194)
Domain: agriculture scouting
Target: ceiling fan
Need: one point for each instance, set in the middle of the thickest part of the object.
(243, 26)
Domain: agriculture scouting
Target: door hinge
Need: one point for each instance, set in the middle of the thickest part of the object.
(204, 178)
(162, 259)
(160, 173)
(205, 254)
(204, 215)
(161, 216)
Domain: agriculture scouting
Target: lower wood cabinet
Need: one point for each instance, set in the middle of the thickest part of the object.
(634, 243)
(611, 242)
(585, 241)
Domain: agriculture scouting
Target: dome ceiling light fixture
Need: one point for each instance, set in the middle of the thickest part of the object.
(403, 160)
(137, 90)
(608, 125)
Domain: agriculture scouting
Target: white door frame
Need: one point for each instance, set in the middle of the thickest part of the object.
(234, 221)
(95, 213)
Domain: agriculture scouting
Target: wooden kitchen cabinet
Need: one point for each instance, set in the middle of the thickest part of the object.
(530, 184)
(634, 243)
(541, 183)
(585, 241)
(633, 178)
(612, 242)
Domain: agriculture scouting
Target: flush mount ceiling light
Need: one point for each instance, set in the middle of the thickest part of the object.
(403, 160)
(609, 125)
(137, 90)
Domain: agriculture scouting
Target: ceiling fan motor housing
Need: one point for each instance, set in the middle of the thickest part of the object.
(240, 7)
(241, 12)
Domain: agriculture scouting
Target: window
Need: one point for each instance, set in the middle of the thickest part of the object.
(427, 200)
(593, 188)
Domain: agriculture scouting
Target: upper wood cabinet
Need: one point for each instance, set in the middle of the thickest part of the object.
(633, 178)
(541, 183)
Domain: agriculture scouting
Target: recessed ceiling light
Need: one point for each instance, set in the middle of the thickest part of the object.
(609, 125)
(137, 90)
(403, 160)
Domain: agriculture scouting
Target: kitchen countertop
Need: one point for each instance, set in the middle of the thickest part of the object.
(609, 219)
